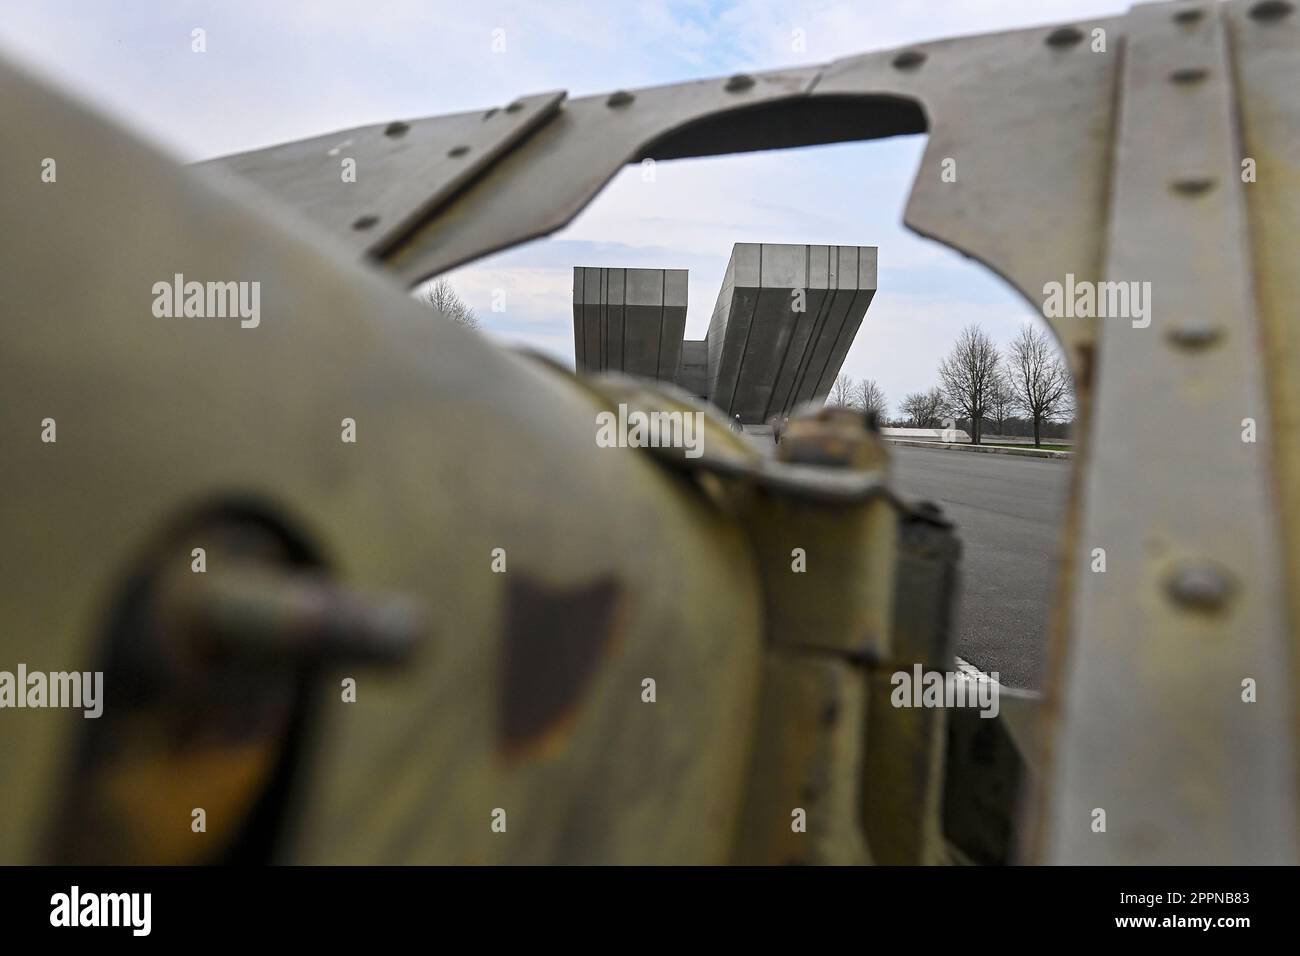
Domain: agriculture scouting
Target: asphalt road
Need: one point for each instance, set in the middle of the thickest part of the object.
(1008, 511)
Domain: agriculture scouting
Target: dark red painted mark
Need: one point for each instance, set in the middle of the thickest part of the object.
(554, 643)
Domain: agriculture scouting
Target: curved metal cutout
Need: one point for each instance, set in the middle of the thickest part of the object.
(790, 124)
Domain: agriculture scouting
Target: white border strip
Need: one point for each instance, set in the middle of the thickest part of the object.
(967, 669)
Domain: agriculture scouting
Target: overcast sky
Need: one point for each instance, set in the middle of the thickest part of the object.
(288, 69)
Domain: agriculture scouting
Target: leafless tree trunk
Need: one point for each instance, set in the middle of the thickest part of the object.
(969, 374)
(441, 297)
(923, 409)
(871, 399)
(909, 408)
(1002, 402)
(841, 392)
(1038, 378)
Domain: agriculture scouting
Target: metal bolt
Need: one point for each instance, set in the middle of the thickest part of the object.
(1188, 75)
(281, 616)
(620, 98)
(909, 60)
(1064, 36)
(396, 129)
(365, 222)
(1192, 185)
(1194, 335)
(1199, 586)
(739, 83)
(830, 436)
(1270, 11)
(458, 151)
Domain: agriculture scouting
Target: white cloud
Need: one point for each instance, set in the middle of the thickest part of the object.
(528, 296)
(280, 71)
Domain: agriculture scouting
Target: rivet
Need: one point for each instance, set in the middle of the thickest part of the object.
(396, 129)
(1194, 335)
(1199, 585)
(1064, 36)
(739, 83)
(1188, 16)
(365, 222)
(1192, 185)
(1188, 75)
(620, 98)
(908, 60)
(830, 713)
(1270, 11)
(458, 151)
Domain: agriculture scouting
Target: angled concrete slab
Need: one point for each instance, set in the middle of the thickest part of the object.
(781, 327)
(693, 372)
(629, 320)
(783, 323)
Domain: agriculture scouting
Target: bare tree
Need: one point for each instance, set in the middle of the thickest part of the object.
(870, 397)
(441, 297)
(923, 409)
(841, 392)
(1038, 378)
(1002, 402)
(968, 375)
